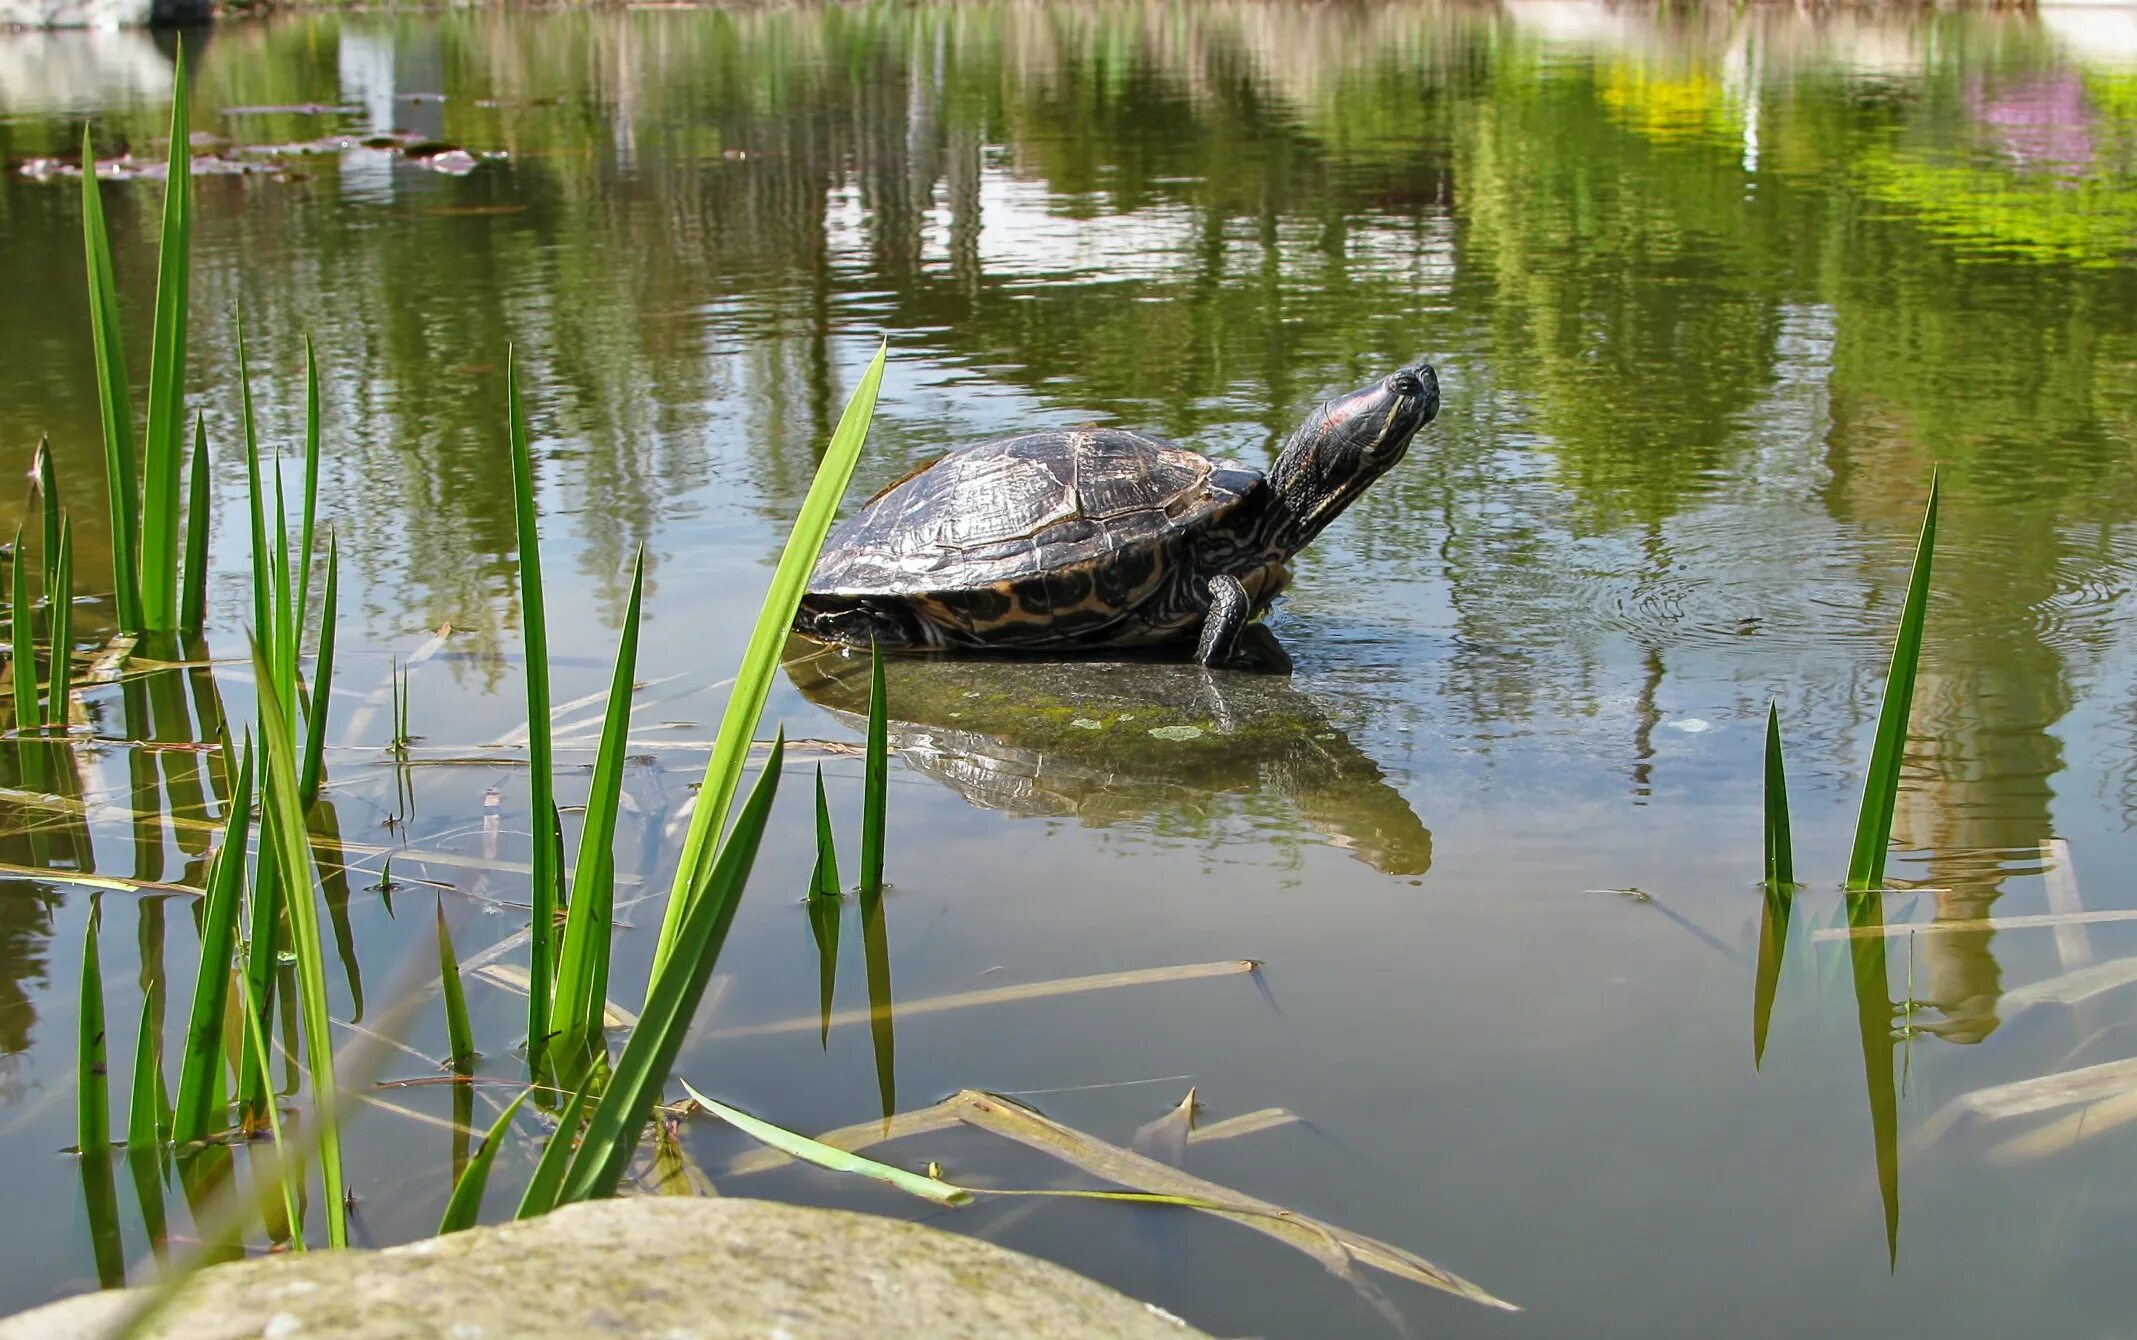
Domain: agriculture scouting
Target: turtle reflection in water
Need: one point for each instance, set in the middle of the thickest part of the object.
(1137, 742)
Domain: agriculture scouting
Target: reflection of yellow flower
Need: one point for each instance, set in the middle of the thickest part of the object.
(1988, 211)
(1690, 106)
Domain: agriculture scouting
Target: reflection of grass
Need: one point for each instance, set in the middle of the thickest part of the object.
(2089, 221)
(1689, 106)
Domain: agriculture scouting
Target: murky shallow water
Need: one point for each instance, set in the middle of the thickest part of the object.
(1708, 298)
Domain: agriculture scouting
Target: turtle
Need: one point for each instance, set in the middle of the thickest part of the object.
(1079, 540)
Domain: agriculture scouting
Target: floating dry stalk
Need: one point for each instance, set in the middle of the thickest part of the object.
(1337, 1249)
(1003, 995)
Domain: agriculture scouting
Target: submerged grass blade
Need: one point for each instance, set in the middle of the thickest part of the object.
(22, 650)
(1881, 783)
(284, 823)
(459, 1037)
(465, 1207)
(193, 595)
(163, 449)
(760, 659)
(93, 1078)
(547, 860)
(122, 472)
(875, 786)
(201, 1066)
(826, 1156)
(672, 1002)
(582, 971)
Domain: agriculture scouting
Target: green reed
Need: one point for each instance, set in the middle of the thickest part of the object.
(534, 626)
(582, 967)
(143, 492)
(875, 786)
(92, 1073)
(1881, 783)
(459, 1036)
(760, 658)
(465, 1204)
(201, 1105)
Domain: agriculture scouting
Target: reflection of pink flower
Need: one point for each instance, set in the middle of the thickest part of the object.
(2038, 121)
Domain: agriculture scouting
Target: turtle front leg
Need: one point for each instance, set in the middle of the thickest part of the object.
(1229, 609)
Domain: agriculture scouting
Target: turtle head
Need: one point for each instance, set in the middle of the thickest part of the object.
(1344, 446)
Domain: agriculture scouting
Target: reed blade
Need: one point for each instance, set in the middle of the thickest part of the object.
(302, 578)
(22, 649)
(285, 1171)
(201, 1065)
(163, 449)
(146, 1117)
(93, 1074)
(824, 907)
(582, 970)
(193, 594)
(122, 473)
(59, 682)
(49, 507)
(465, 1207)
(285, 827)
(760, 659)
(547, 1181)
(322, 681)
(1780, 849)
(546, 859)
(823, 879)
(1881, 784)
(826, 1156)
(459, 1037)
(263, 620)
(642, 1069)
(875, 786)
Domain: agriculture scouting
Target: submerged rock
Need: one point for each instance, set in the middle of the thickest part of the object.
(681, 1267)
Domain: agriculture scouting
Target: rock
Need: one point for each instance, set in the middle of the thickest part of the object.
(706, 1269)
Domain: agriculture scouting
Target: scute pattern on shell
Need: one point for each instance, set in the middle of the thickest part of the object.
(1042, 508)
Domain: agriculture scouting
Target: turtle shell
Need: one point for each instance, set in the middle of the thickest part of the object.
(1043, 539)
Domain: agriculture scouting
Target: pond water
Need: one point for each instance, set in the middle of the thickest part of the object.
(1710, 296)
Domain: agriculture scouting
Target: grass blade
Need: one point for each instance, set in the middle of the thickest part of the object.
(672, 1002)
(548, 1179)
(824, 908)
(164, 447)
(1881, 784)
(22, 652)
(201, 1066)
(825, 1156)
(465, 1207)
(582, 971)
(61, 599)
(193, 597)
(122, 473)
(93, 1105)
(322, 681)
(459, 1037)
(541, 775)
(284, 826)
(146, 1118)
(760, 659)
(875, 786)
(309, 516)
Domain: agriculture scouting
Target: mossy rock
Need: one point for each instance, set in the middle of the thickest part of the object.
(706, 1269)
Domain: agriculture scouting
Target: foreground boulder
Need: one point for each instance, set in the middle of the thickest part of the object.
(676, 1267)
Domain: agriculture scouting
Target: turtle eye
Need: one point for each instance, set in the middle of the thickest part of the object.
(1403, 384)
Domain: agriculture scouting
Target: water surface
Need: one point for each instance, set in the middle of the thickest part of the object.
(1710, 297)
